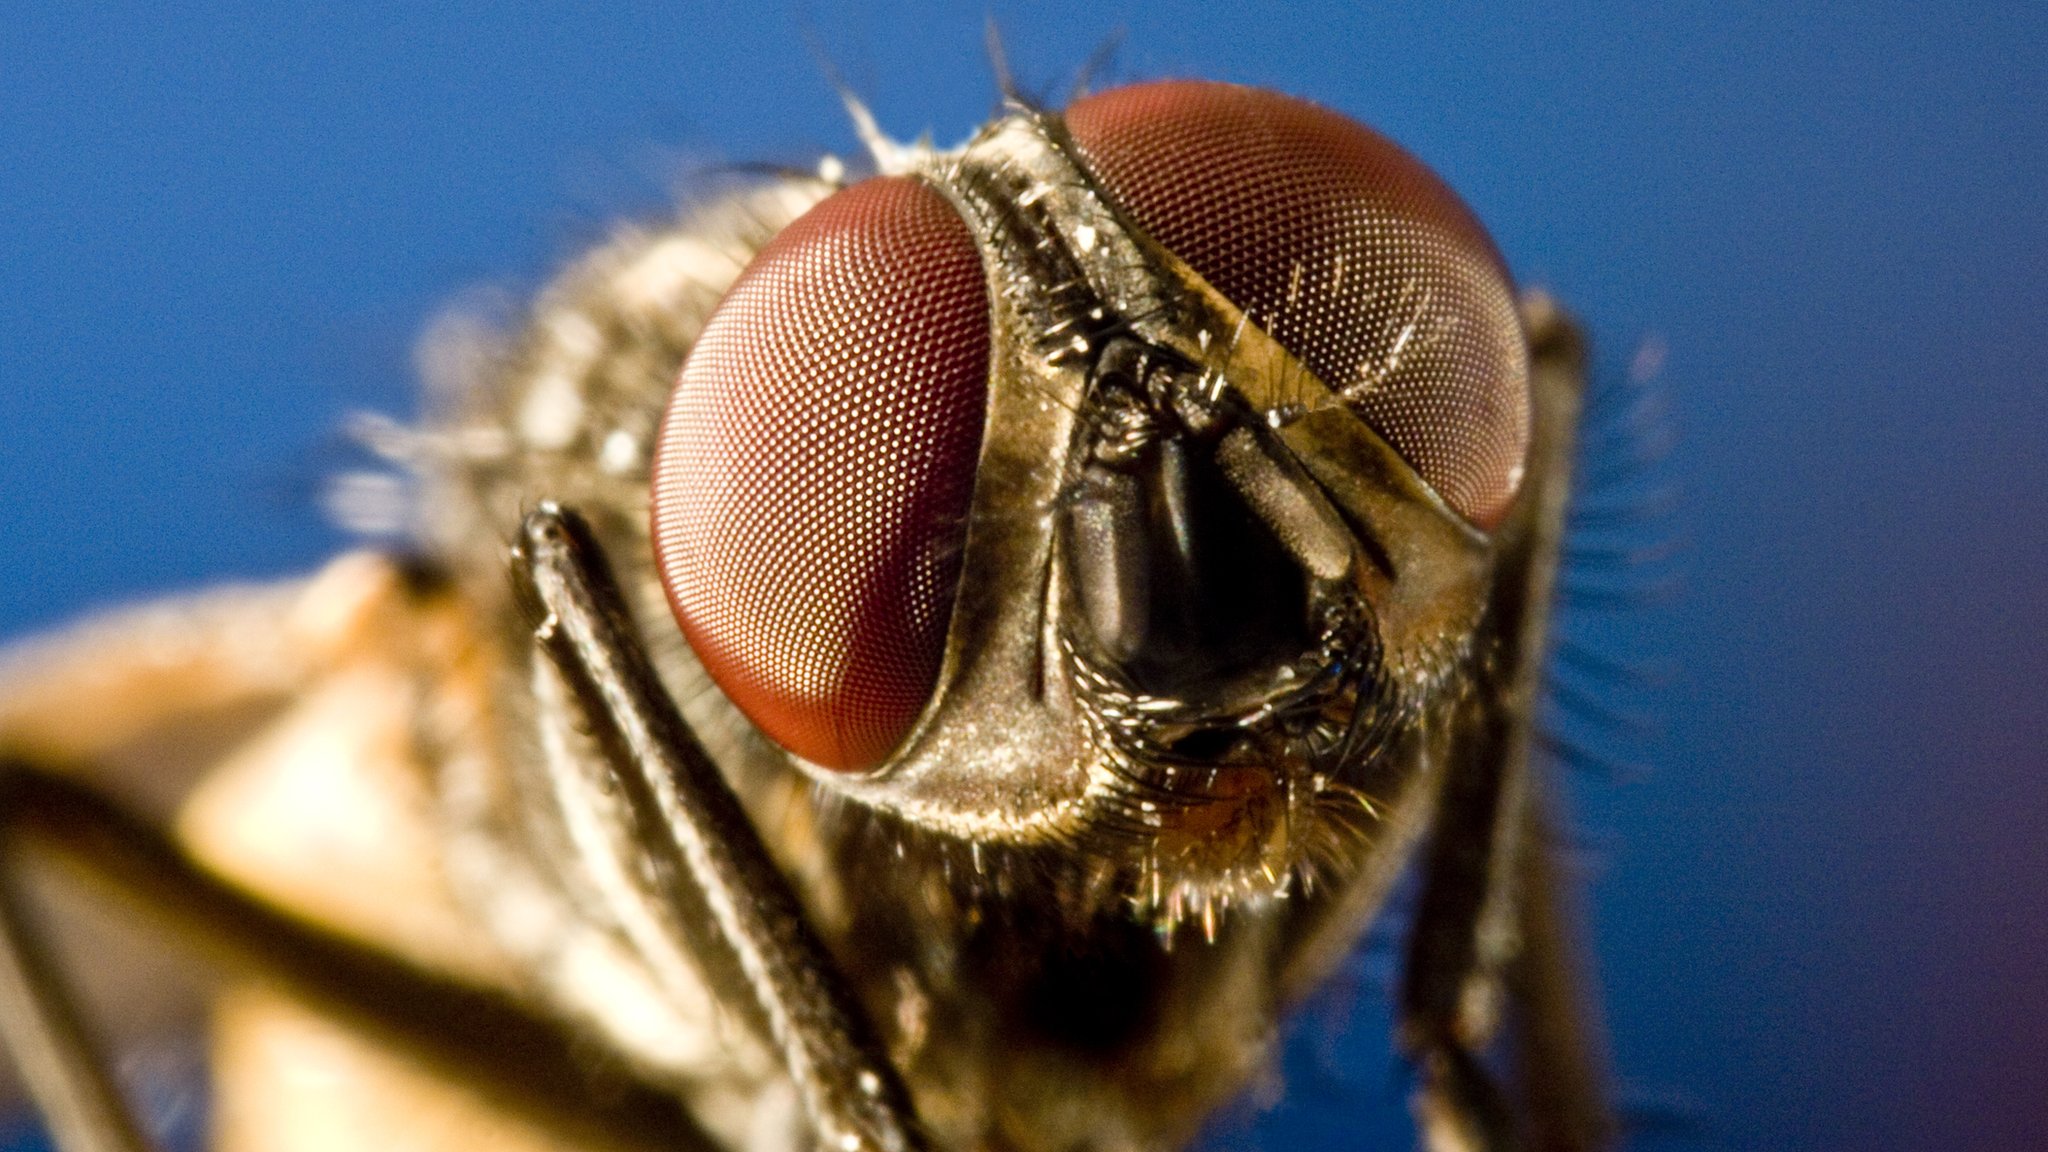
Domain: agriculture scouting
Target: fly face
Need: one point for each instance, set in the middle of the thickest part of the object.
(1037, 536)
(1087, 563)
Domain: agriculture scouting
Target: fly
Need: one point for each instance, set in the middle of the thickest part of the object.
(983, 641)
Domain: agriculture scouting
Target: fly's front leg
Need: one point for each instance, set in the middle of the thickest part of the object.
(1558, 1054)
(1493, 944)
(1459, 949)
(1465, 937)
(698, 837)
(1489, 940)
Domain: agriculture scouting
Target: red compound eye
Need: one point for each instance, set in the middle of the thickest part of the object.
(812, 480)
(1344, 248)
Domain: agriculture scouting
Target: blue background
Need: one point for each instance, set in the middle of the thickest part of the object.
(1818, 913)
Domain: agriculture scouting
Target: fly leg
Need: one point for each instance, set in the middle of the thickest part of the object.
(1557, 1054)
(700, 841)
(521, 1062)
(1493, 945)
(1490, 938)
(104, 729)
(1462, 943)
(131, 701)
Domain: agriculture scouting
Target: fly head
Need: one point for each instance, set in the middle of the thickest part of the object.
(1123, 484)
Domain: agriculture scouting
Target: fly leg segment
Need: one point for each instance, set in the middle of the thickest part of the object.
(1488, 928)
(102, 729)
(479, 1037)
(70, 706)
(1507, 941)
(700, 842)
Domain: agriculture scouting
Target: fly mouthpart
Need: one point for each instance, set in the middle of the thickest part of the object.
(1318, 711)
(1186, 591)
(1204, 562)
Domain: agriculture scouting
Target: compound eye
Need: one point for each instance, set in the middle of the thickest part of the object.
(1347, 251)
(813, 474)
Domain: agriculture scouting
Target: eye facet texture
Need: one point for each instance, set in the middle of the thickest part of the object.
(1347, 251)
(813, 475)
